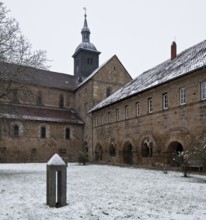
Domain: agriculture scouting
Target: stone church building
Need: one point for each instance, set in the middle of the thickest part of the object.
(101, 110)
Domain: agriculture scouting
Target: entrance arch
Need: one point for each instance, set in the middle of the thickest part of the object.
(173, 149)
(127, 153)
(98, 153)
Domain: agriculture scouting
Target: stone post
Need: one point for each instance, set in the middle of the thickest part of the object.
(56, 182)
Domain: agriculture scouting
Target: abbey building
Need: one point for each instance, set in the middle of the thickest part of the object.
(101, 110)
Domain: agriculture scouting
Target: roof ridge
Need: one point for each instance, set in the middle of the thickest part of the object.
(185, 62)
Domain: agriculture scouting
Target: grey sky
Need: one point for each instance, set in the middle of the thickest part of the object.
(139, 32)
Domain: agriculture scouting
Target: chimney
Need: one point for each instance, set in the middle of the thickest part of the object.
(173, 50)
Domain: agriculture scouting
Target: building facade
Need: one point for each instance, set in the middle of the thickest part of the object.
(156, 115)
(102, 111)
(45, 112)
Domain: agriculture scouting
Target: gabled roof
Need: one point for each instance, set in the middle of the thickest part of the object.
(187, 61)
(20, 112)
(37, 76)
(98, 69)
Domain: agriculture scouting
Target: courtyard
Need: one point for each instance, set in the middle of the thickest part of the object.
(101, 192)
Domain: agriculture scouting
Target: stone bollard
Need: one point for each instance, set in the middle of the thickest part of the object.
(56, 182)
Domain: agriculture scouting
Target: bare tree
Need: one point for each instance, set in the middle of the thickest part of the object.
(16, 56)
(18, 63)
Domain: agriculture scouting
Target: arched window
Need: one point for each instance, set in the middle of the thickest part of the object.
(147, 148)
(108, 91)
(67, 133)
(16, 132)
(61, 101)
(43, 132)
(39, 98)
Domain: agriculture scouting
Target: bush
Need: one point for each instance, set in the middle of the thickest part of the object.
(83, 157)
(182, 160)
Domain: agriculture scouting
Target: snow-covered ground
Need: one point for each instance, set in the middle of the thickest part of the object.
(102, 192)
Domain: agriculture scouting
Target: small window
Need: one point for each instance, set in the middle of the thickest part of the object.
(182, 96)
(96, 121)
(126, 112)
(117, 114)
(43, 132)
(137, 109)
(147, 148)
(203, 90)
(61, 101)
(88, 61)
(67, 133)
(165, 101)
(16, 132)
(102, 119)
(150, 108)
(108, 91)
(39, 98)
(109, 117)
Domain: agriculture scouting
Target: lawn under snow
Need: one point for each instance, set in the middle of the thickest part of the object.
(102, 192)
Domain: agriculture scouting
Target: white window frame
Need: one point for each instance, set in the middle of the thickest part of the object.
(150, 108)
(102, 119)
(165, 101)
(126, 112)
(182, 96)
(203, 90)
(96, 121)
(117, 114)
(137, 108)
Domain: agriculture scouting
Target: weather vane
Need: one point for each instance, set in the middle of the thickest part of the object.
(85, 11)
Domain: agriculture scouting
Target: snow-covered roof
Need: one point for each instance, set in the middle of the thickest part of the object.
(187, 61)
(56, 160)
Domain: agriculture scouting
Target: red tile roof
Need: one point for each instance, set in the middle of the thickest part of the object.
(33, 113)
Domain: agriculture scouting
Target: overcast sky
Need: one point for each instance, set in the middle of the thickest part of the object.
(139, 32)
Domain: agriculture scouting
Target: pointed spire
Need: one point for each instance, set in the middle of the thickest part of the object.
(85, 30)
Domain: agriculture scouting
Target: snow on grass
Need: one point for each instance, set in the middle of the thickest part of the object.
(102, 193)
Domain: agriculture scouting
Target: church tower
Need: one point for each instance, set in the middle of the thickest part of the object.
(86, 56)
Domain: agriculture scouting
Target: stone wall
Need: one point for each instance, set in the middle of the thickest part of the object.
(28, 94)
(112, 75)
(151, 137)
(30, 147)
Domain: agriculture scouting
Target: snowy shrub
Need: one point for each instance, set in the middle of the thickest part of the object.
(82, 157)
(182, 160)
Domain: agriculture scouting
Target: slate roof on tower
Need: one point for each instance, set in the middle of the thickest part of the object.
(85, 44)
(184, 63)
